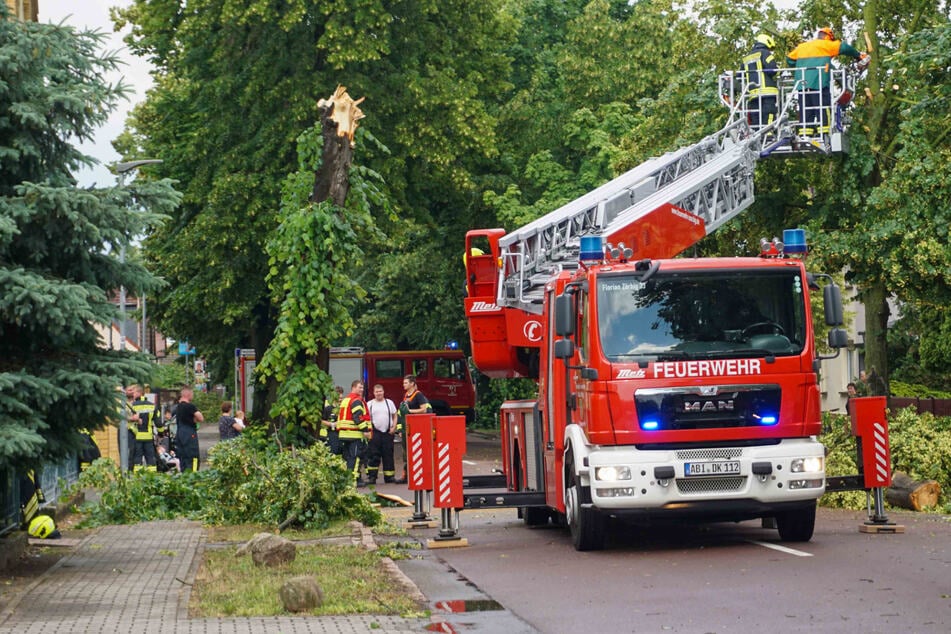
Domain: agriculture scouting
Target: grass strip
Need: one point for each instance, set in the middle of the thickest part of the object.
(353, 581)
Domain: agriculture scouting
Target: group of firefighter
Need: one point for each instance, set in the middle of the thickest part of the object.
(811, 63)
(364, 437)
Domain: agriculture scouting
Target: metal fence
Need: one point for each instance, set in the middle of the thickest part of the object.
(54, 477)
(936, 406)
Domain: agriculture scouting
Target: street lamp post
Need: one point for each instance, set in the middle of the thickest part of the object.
(122, 169)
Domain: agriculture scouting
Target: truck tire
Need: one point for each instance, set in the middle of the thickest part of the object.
(798, 525)
(586, 525)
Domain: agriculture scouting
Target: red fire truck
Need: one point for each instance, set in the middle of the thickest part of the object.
(668, 389)
(442, 375)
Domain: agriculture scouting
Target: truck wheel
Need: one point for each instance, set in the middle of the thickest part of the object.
(798, 525)
(586, 525)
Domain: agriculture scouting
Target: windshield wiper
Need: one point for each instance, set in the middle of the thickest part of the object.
(671, 355)
(743, 352)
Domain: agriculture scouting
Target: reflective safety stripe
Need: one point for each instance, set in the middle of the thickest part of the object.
(755, 75)
(143, 430)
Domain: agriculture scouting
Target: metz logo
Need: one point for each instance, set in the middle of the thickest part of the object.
(631, 374)
(483, 307)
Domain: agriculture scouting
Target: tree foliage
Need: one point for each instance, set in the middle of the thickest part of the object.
(59, 243)
(249, 481)
(499, 112)
(235, 86)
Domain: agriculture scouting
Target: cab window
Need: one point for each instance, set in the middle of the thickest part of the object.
(449, 369)
(421, 367)
(389, 369)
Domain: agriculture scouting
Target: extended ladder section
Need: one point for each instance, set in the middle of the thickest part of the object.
(712, 181)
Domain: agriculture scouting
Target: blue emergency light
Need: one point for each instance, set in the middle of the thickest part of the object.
(794, 240)
(592, 248)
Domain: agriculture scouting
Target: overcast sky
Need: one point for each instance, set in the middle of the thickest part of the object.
(94, 14)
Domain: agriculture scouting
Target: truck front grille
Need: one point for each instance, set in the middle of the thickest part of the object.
(728, 453)
(710, 485)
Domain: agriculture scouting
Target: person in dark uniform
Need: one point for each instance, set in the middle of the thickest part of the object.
(142, 430)
(186, 437)
(414, 402)
(761, 68)
(353, 428)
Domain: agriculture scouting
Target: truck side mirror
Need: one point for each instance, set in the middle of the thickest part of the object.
(832, 302)
(564, 316)
(564, 349)
(838, 338)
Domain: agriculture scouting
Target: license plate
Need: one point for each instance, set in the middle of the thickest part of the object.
(730, 467)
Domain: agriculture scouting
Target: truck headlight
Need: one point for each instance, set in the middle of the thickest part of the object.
(815, 464)
(612, 474)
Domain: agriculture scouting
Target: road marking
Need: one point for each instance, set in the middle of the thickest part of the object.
(782, 549)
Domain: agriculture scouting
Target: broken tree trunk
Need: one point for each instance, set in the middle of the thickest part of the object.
(912, 494)
(338, 121)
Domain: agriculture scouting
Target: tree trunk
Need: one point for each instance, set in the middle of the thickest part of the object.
(262, 331)
(912, 494)
(332, 180)
(338, 122)
(875, 297)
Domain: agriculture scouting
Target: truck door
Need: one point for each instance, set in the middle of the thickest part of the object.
(452, 385)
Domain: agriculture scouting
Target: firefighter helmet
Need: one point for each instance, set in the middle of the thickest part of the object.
(41, 526)
(827, 31)
(766, 40)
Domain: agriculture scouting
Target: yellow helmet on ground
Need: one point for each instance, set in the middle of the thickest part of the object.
(766, 39)
(41, 526)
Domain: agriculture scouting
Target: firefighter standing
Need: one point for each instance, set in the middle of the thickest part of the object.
(353, 427)
(760, 66)
(414, 402)
(186, 435)
(383, 416)
(142, 427)
(811, 60)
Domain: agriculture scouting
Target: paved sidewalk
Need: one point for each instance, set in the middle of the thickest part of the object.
(137, 578)
(130, 579)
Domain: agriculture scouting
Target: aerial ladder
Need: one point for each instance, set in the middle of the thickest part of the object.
(656, 210)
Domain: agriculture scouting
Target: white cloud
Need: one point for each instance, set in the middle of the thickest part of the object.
(94, 14)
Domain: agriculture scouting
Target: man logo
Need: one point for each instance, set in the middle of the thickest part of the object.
(532, 330)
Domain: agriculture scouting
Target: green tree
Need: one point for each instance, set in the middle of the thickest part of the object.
(884, 211)
(235, 85)
(59, 243)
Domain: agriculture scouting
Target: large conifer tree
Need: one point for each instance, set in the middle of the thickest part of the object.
(59, 243)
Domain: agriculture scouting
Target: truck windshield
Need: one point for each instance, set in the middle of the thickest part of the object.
(696, 315)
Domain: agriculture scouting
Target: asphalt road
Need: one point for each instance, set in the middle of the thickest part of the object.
(728, 577)
(715, 578)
